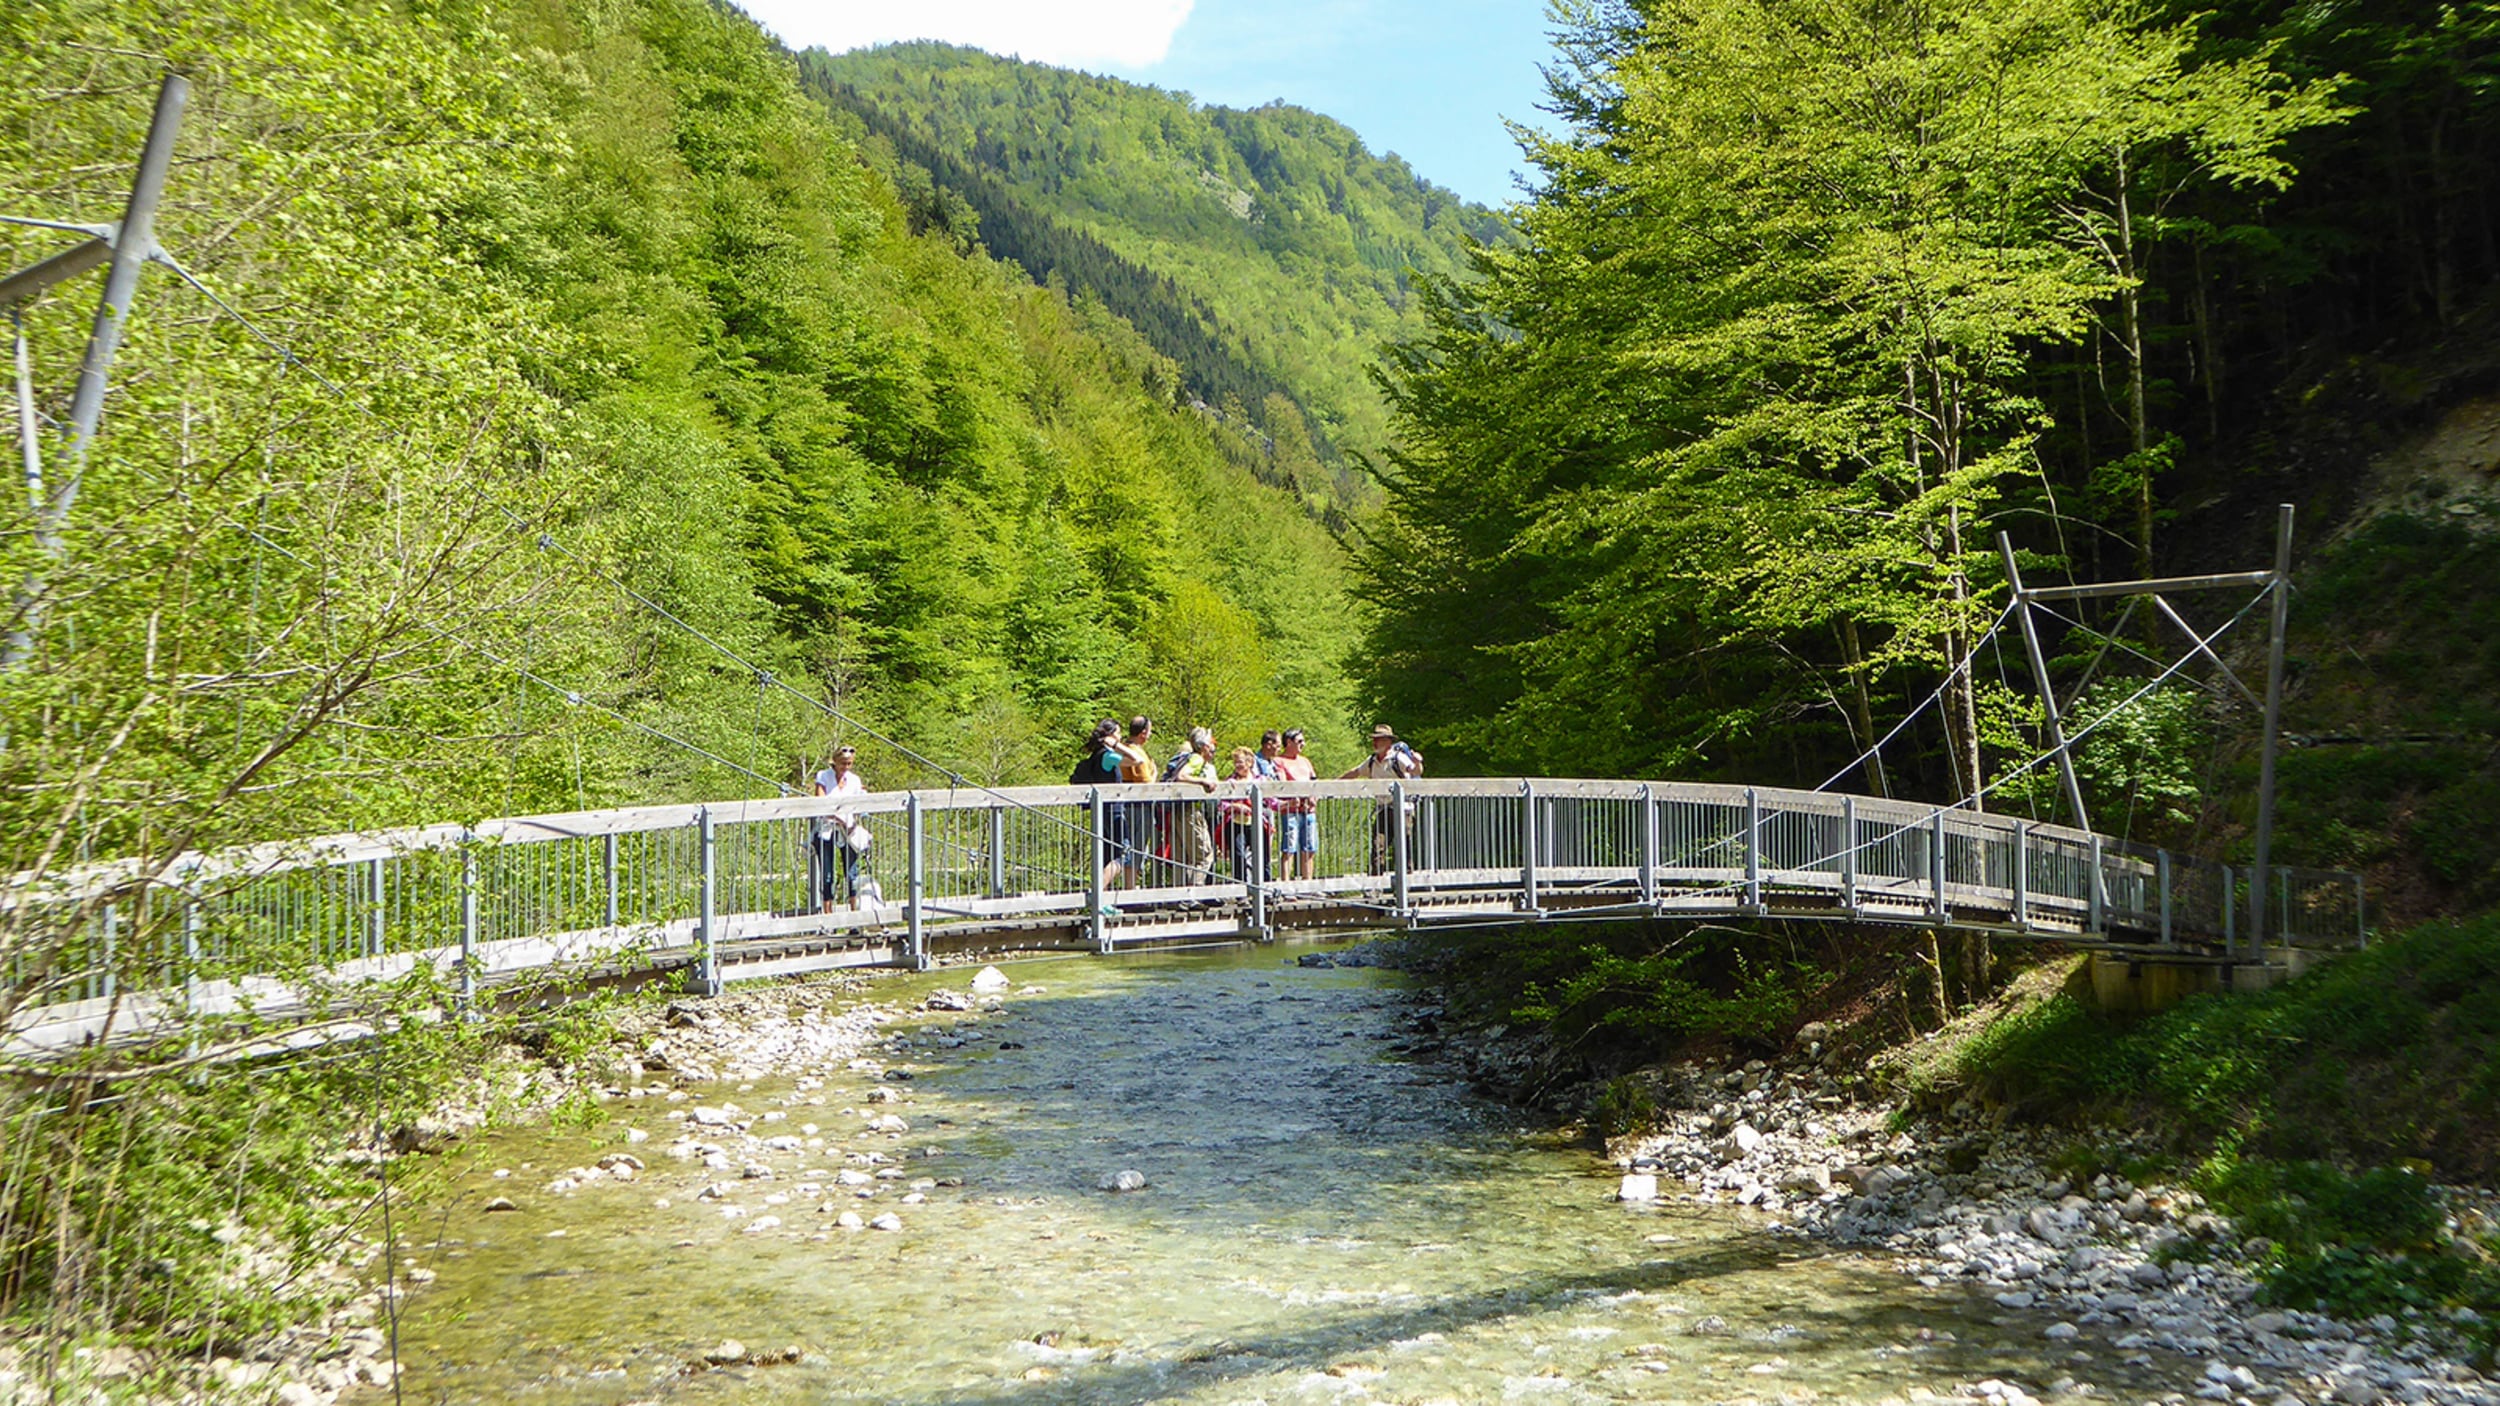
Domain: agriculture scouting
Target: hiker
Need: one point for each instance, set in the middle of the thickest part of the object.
(1100, 766)
(1301, 813)
(1391, 760)
(1242, 820)
(1263, 766)
(840, 839)
(1198, 768)
(1137, 823)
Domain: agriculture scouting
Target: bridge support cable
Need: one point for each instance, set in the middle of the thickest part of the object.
(1875, 751)
(2274, 587)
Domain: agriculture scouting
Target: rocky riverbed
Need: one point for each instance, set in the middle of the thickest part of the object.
(2125, 1269)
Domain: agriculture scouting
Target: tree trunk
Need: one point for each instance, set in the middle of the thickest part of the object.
(1961, 698)
(1933, 960)
(2131, 312)
(1855, 658)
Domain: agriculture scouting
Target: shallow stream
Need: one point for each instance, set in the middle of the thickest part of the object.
(1323, 1221)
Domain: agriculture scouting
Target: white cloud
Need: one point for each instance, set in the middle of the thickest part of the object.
(1068, 32)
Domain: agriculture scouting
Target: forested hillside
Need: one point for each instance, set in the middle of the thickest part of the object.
(1267, 250)
(1708, 468)
(586, 298)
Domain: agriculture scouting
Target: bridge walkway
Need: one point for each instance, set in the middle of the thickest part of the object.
(277, 932)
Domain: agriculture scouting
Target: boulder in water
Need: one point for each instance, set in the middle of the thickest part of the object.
(989, 979)
(1126, 1179)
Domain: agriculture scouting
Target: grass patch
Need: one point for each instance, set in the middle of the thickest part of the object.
(2387, 1061)
(2383, 1056)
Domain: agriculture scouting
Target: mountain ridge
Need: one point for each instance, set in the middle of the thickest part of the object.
(1266, 250)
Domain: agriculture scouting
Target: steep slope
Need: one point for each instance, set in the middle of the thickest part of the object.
(1265, 250)
(606, 273)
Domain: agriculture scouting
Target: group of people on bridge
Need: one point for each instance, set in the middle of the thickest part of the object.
(1191, 840)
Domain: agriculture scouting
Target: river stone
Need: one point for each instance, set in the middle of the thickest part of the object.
(2061, 1332)
(1126, 1179)
(2015, 1298)
(1711, 1326)
(888, 1221)
(1807, 1181)
(849, 1220)
(948, 1001)
(761, 1223)
(888, 1123)
(1638, 1186)
(1740, 1142)
(615, 1160)
(501, 1203)
(711, 1117)
(727, 1353)
(882, 1094)
(2148, 1274)
(989, 979)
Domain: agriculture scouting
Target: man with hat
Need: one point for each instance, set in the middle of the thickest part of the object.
(1391, 760)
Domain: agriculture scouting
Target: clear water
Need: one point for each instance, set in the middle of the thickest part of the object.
(1323, 1223)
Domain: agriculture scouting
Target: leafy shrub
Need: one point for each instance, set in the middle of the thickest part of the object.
(1623, 1105)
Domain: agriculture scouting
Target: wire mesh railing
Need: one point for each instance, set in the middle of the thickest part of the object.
(1117, 863)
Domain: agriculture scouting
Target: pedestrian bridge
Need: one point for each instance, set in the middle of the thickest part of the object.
(284, 933)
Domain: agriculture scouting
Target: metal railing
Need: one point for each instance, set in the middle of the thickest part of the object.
(742, 882)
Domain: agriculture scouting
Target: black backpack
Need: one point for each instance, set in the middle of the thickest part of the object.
(1088, 770)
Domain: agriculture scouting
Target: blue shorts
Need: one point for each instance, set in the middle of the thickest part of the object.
(1301, 832)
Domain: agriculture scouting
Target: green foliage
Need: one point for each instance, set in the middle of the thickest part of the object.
(2394, 647)
(1707, 462)
(1624, 1105)
(2387, 1054)
(1210, 228)
(1635, 988)
(599, 271)
(2353, 1244)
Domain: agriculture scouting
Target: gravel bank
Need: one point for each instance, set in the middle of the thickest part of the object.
(2116, 1269)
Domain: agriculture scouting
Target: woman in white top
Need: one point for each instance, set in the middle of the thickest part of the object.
(835, 833)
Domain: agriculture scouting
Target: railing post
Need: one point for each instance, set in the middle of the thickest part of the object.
(1753, 852)
(1527, 846)
(112, 940)
(998, 851)
(191, 965)
(1397, 849)
(2161, 865)
(468, 923)
(1649, 848)
(190, 950)
(1935, 864)
(2022, 876)
(1258, 862)
(1094, 895)
(1849, 855)
(915, 884)
(607, 862)
(375, 910)
(2230, 914)
(709, 858)
(2093, 900)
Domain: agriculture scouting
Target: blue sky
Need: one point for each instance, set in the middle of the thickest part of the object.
(1428, 80)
